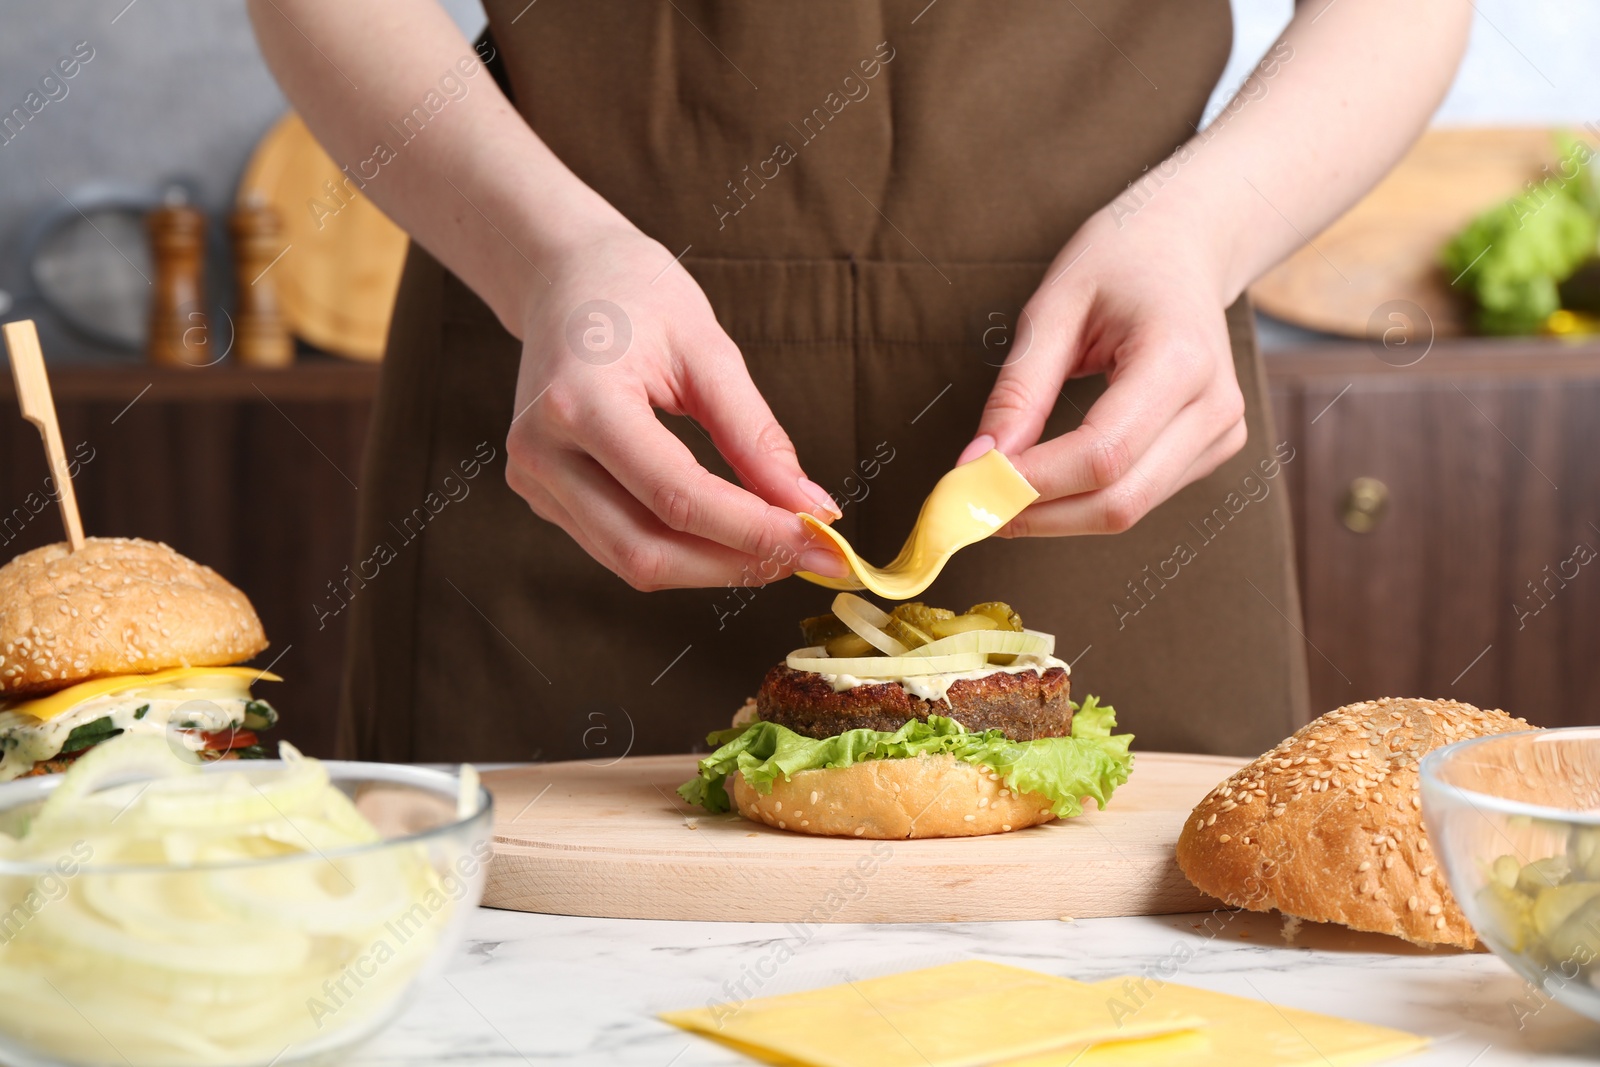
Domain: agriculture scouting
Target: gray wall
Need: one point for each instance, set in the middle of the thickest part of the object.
(175, 88)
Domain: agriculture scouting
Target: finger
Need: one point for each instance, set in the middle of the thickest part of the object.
(749, 437)
(1147, 392)
(633, 543)
(547, 507)
(1179, 457)
(647, 460)
(818, 558)
(1223, 449)
(1046, 348)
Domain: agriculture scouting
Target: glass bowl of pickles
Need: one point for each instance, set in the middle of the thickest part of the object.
(1515, 819)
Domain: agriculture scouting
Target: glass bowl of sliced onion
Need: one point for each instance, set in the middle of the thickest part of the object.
(158, 910)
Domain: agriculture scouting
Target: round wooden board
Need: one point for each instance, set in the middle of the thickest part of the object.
(1386, 248)
(616, 841)
(341, 269)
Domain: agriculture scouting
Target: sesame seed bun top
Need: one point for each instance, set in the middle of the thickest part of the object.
(116, 606)
(1328, 825)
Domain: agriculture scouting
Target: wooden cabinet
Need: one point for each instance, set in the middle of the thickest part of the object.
(1480, 577)
(1478, 580)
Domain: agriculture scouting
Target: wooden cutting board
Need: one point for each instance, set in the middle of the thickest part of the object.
(340, 268)
(616, 841)
(1386, 248)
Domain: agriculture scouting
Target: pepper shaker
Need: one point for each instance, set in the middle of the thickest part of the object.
(178, 332)
(261, 336)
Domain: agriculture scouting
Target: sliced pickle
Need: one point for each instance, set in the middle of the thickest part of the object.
(1545, 909)
(1583, 846)
(843, 635)
(1577, 939)
(1542, 874)
(1505, 870)
(920, 615)
(961, 624)
(820, 629)
(849, 645)
(1503, 914)
(914, 623)
(911, 624)
(1000, 612)
(1554, 906)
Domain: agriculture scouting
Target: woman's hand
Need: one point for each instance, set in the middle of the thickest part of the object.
(624, 331)
(1143, 306)
(1139, 292)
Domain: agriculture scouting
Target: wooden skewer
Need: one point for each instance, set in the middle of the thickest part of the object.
(39, 408)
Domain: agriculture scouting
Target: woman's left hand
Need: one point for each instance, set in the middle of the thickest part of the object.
(1142, 305)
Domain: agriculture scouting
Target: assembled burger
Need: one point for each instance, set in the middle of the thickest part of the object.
(123, 636)
(914, 723)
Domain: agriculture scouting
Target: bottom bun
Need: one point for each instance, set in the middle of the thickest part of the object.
(893, 799)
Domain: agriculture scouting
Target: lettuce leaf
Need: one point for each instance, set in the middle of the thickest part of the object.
(1090, 763)
(1513, 257)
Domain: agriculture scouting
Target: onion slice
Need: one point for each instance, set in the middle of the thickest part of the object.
(888, 666)
(989, 642)
(866, 620)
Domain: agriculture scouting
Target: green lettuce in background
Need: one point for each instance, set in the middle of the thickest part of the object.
(1090, 763)
(1513, 257)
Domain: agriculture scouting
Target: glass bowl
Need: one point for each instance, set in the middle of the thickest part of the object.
(227, 964)
(1515, 819)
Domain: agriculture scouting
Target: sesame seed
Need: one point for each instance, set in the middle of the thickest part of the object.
(1364, 865)
(860, 830)
(1224, 838)
(782, 825)
(1435, 909)
(969, 818)
(813, 796)
(797, 813)
(1439, 924)
(1006, 827)
(1211, 819)
(1412, 904)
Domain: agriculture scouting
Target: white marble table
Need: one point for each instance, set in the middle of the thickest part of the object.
(540, 989)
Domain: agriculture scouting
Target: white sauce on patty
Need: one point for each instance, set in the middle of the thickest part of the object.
(937, 686)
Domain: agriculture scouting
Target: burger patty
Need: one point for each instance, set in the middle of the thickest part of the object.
(1024, 705)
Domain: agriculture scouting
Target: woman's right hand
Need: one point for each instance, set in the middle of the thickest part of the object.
(622, 331)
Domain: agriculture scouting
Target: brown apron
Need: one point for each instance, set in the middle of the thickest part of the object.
(867, 192)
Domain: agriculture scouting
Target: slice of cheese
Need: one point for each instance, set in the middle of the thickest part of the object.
(1239, 1030)
(967, 505)
(48, 707)
(955, 1015)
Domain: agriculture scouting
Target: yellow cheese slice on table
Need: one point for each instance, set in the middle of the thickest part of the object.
(1239, 1031)
(967, 505)
(956, 1015)
(48, 707)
